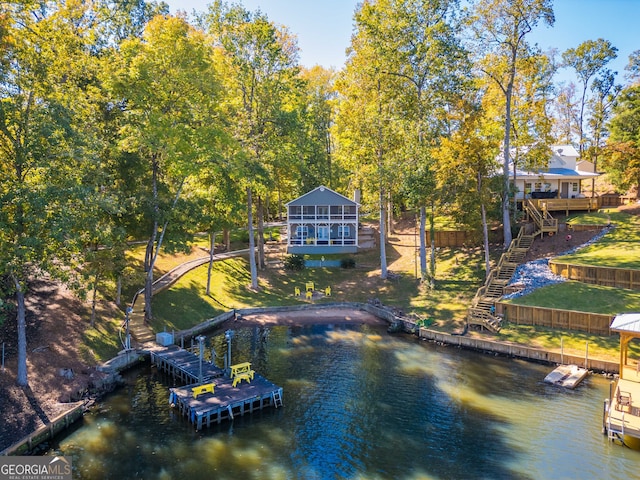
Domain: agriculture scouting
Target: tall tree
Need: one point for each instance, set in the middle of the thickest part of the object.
(410, 50)
(261, 62)
(622, 161)
(169, 90)
(588, 59)
(467, 160)
(45, 75)
(500, 28)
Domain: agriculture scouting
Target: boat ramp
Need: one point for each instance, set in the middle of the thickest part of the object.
(211, 395)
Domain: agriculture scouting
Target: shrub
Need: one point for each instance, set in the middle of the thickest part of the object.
(294, 262)
(348, 263)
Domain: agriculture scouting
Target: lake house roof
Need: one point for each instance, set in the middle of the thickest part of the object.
(322, 196)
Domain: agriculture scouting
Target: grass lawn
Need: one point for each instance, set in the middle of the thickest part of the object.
(619, 248)
(459, 273)
(582, 297)
(185, 304)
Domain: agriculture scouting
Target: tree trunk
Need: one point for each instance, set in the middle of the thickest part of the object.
(226, 234)
(252, 245)
(21, 379)
(485, 237)
(92, 322)
(423, 244)
(383, 236)
(119, 290)
(212, 246)
(260, 208)
(432, 231)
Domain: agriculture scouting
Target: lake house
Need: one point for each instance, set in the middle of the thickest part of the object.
(321, 222)
(562, 179)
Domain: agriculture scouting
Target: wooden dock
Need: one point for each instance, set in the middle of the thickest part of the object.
(183, 365)
(568, 376)
(251, 391)
(227, 401)
(622, 413)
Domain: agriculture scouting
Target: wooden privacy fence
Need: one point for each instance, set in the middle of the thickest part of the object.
(452, 238)
(607, 276)
(596, 323)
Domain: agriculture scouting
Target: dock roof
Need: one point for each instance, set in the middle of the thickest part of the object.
(626, 322)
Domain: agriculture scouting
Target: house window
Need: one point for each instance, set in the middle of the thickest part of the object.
(574, 187)
(538, 186)
(547, 186)
(527, 187)
(343, 231)
(323, 211)
(302, 231)
(295, 212)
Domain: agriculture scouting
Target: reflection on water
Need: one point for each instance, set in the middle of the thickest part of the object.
(359, 403)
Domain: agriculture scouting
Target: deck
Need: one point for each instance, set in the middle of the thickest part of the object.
(227, 401)
(623, 416)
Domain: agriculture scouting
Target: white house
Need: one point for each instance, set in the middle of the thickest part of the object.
(562, 179)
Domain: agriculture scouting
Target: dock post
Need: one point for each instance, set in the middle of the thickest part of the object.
(586, 356)
(201, 339)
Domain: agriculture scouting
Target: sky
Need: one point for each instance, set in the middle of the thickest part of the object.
(324, 27)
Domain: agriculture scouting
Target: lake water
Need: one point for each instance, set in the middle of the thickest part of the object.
(359, 404)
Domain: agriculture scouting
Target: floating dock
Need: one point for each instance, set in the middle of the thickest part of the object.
(227, 401)
(568, 376)
(218, 396)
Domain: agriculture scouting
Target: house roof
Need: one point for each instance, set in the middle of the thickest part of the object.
(322, 196)
(565, 150)
(556, 173)
(626, 322)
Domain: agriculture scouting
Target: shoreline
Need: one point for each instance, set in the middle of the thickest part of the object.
(360, 314)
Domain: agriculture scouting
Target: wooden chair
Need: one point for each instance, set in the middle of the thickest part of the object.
(309, 295)
(623, 399)
(297, 291)
(310, 286)
(327, 291)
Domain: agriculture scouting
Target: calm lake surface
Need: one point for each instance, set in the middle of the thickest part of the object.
(359, 404)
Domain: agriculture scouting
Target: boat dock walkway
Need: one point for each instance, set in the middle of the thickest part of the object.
(218, 396)
(183, 364)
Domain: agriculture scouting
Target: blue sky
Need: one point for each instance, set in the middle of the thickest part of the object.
(324, 27)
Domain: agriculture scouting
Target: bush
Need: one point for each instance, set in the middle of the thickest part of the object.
(348, 263)
(294, 262)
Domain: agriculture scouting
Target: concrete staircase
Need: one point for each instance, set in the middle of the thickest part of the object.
(482, 312)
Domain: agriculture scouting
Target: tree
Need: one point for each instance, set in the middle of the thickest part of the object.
(169, 90)
(500, 28)
(261, 68)
(588, 59)
(410, 52)
(46, 74)
(466, 163)
(622, 161)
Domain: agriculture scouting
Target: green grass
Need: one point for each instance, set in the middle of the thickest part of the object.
(619, 248)
(599, 218)
(582, 297)
(572, 342)
(186, 303)
(459, 273)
